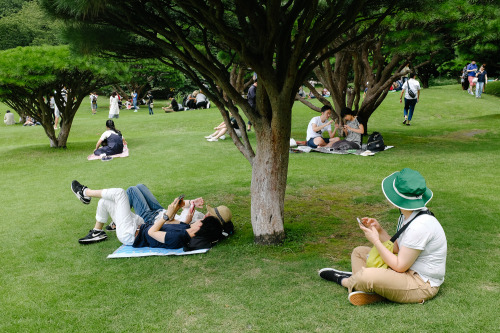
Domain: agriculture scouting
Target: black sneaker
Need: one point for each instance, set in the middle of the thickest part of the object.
(334, 275)
(111, 227)
(404, 122)
(77, 189)
(93, 236)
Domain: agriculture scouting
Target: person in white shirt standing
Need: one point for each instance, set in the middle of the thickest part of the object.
(114, 109)
(411, 89)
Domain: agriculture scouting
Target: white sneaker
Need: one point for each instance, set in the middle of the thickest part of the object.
(208, 137)
(222, 137)
(135, 111)
(212, 139)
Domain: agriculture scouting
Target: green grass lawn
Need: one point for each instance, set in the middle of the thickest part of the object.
(51, 283)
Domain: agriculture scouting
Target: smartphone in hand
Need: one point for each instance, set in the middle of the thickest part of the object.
(359, 221)
(181, 199)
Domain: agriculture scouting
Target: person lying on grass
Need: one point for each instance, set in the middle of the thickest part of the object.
(150, 229)
(416, 266)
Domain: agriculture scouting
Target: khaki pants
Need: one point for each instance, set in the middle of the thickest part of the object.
(407, 287)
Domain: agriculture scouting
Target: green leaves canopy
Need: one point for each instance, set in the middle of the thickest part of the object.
(29, 75)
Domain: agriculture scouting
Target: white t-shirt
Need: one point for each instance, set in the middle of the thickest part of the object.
(426, 234)
(317, 122)
(113, 105)
(107, 134)
(200, 98)
(414, 86)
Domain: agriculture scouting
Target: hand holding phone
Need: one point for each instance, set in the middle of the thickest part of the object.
(181, 200)
(191, 207)
(359, 221)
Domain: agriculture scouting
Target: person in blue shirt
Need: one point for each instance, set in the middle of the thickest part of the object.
(471, 74)
(134, 100)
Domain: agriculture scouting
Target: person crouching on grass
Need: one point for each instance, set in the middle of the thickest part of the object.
(416, 267)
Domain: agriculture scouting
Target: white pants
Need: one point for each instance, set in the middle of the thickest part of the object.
(115, 203)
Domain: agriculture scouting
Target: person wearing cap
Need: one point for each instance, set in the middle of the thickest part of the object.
(416, 267)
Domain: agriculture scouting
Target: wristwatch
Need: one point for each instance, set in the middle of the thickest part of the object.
(165, 217)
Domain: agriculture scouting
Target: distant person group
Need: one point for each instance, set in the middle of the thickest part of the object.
(352, 130)
(196, 100)
(474, 79)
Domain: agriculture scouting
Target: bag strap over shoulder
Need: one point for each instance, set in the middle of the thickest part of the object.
(400, 231)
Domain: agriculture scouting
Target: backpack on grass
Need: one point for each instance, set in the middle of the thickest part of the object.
(375, 142)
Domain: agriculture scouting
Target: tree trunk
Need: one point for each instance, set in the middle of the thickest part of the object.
(269, 174)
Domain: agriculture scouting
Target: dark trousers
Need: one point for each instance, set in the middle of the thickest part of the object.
(409, 107)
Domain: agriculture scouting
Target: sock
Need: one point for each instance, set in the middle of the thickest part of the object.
(85, 192)
(97, 229)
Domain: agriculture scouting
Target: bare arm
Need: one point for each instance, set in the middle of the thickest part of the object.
(98, 144)
(360, 130)
(154, 231)
(317, 128)
(399, 263)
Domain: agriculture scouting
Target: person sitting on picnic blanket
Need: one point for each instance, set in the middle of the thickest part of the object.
(417, 262)
(317, 126)
(112, 141)
(352, 129)
(174, 106)
(155, 227)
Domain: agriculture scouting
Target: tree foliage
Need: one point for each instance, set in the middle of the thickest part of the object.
(30, 75)
(148, 74)
(422, 37)
(28, 26)
(10, 7)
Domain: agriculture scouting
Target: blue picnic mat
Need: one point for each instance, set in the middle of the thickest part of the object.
(127, 251)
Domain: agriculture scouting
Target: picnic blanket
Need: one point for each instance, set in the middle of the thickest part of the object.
(127, 251)
(360, 152)
(97, 157)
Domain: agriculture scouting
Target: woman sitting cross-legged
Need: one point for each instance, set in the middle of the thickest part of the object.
(417, 262)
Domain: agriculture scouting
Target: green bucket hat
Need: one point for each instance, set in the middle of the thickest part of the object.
(406, 189)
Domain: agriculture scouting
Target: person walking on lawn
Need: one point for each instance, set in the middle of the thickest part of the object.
(411, 91)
